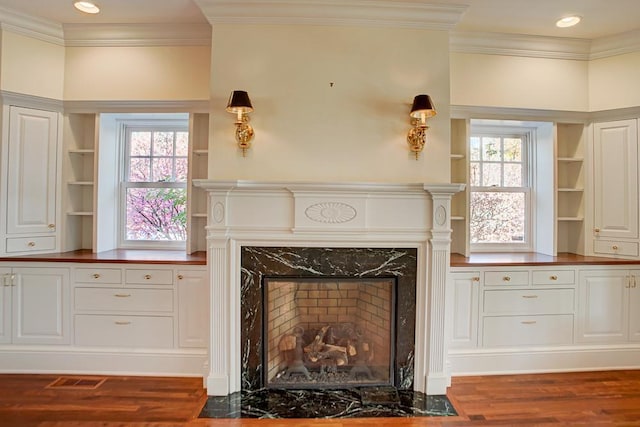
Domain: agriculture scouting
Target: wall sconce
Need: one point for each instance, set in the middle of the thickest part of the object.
(421, 109)
(240, 104)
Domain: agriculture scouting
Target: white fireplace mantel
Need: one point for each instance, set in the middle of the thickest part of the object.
(247, 213)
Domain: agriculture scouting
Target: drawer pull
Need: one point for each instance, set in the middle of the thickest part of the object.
(96, 276)
(528, 322)
(529, 296)
(122, 295)
(554, 277)
(31, 244)
(122, 323)
(52, 226)
(147, 277)
(180, 277)
(506, 278)
(596, 230)
(475, 279)
(614, 247)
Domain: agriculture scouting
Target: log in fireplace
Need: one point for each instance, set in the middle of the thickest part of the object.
(328, 332)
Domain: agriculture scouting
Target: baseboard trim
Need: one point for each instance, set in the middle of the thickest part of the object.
(542, 360)
(104, 362)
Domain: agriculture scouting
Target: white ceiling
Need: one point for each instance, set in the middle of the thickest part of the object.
(601, 18)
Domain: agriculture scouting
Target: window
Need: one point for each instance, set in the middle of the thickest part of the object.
(154, 185)
(500, 192)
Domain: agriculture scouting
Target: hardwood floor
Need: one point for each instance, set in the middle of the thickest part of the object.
(587, 399)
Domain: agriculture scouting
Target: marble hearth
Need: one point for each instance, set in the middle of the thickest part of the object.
(255, 223)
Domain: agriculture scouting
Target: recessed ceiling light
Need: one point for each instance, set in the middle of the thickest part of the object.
(86, 7)
(568, 21)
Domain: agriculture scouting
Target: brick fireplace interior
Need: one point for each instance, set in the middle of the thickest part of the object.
(328, 332)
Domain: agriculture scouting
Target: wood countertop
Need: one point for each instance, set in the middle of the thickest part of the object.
(533, 259)
(117, 256)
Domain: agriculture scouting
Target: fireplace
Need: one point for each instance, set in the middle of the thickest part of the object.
(328, 317)
(327, 231)
(328, 333)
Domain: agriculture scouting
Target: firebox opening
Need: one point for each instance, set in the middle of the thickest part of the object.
(328, 332)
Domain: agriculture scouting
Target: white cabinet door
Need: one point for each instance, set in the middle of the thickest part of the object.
(634, 307)
(31, 178)
(603, 306)
(464, 330)
(5, 305)
(41, 306)
(615, 178)
(193, 308)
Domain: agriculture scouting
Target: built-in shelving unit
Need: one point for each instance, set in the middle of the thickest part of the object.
(570, 187)
(79, 175)
(198, 169)
(459, 174)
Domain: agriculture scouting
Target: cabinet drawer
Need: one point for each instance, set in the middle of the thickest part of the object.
(98, 275)
(554, 277)
(506, 278)
(149, 277)
(612, 247)
(527, 330)
(28, 244)
(530, 301)
(118, 299)
(124, 331)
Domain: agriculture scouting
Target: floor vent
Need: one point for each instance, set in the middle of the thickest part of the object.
(77, 383)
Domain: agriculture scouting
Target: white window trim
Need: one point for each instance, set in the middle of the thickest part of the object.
(528, 136)
(127, 126)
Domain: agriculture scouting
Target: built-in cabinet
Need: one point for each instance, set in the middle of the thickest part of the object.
(608, 306)
(615, 188)
(543, 318)
(98, 317)
(198, 169)
(35, 305)
(30, 170)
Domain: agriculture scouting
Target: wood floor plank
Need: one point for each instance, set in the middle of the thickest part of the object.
(608, 398)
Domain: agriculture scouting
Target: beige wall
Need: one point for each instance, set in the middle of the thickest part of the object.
(614, 82)
(30, 66)
(137, 73)
(307, 130)
(519, 82)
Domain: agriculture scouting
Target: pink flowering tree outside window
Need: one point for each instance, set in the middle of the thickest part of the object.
(155, 192)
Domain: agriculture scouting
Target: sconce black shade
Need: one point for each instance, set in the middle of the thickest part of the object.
(239, 102)
(422, 105)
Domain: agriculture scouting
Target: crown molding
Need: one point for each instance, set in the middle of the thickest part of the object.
(524, 114)
(31, 26)
(161, 106)
(30, 101)
(333, 12)
(618, 44)
(520, 45)
(137, 35)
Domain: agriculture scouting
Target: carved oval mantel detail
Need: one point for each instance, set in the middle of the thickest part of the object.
(218, 212)
(441, 215)
(331, 212)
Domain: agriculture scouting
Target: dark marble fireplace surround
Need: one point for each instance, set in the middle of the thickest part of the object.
(311, 262)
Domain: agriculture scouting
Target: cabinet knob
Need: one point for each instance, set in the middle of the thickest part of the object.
(180, 277)
(554, 277)
(96, 276)
(52, 226)
(147, 276)
(614, 247)
(506, 278)
(596, 230)
(31, 244)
